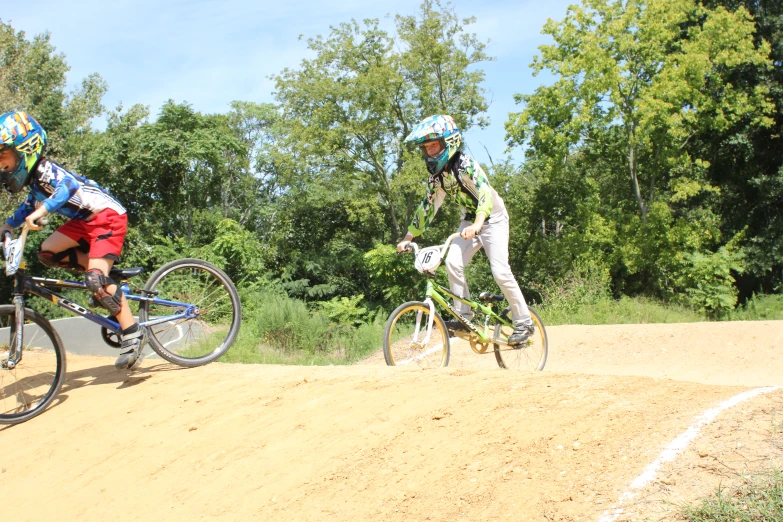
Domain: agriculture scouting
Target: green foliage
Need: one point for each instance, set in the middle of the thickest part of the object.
(708, 281)
(278, 329)
(759, 308)
(586, 284)
(393, 280)
(344, 310)
(347, 108)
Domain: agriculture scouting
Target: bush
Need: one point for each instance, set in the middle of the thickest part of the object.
(586, 284)
(279, 329)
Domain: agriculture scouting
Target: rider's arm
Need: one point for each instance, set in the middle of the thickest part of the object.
(24, 210)
(426, 211)
(484, 205)
(472, 231)
(65, 186)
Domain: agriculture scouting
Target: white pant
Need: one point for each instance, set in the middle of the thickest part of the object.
(494, 238)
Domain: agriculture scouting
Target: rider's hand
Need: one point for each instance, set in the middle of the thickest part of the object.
(6, 228)
(470, 232)
(35, 216)
(31, 224)
(402, 245)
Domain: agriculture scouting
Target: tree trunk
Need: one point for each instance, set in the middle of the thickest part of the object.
(633, 169)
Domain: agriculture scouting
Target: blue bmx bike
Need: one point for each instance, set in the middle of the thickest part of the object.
(189, 308)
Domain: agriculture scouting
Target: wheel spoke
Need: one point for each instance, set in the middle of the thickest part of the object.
(32, 384)
(194, 340)
(408, 340)
(529, 356)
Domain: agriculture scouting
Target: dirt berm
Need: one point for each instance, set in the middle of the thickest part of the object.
(368, 442)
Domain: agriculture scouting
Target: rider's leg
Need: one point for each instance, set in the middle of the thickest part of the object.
(494, 237)
(132, 335)
(59, 250)
(124, 315)
(459, 255)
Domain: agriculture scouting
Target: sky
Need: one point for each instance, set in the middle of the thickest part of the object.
(211, 52)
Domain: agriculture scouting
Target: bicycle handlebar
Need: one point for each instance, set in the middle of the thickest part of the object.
(13, 248)
(414, 248)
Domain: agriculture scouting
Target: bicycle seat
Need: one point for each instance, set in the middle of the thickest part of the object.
(119, 274)
(486, 296)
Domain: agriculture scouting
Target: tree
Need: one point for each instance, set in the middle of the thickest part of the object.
(348, 108)
(32, 78)
(170, 174)
(638, 84)
(658, 70)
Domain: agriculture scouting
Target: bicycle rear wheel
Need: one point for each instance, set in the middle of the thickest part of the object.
(28, 388)
(529, 356)
(197, 340)
(405, 339)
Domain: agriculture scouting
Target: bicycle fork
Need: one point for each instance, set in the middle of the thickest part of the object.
(430, 322)
(17, 334)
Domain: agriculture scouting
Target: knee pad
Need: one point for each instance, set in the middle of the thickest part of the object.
(96, 283)
(65, 259)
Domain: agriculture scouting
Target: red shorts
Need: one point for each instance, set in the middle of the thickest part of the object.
(102, 236)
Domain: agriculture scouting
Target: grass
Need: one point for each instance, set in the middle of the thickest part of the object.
(627, 310)
(759, 308)
(639, 310)
(757, 499)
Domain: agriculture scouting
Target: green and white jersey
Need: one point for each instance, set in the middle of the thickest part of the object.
(466, 180)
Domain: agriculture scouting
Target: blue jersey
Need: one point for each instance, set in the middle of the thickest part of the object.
(64, 192)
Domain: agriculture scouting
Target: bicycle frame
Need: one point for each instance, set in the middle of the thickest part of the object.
(41, 287)
(483, 332)
(433, 293)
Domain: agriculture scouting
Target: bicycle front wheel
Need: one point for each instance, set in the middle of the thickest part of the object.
(528, 356)
(407, 341)
(217, 313)
(33, 383)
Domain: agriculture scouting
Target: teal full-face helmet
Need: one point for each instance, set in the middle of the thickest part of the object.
(25, 137)
(442, 129)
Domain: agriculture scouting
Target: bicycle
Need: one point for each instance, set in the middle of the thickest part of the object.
(189, 308)
(415, 331)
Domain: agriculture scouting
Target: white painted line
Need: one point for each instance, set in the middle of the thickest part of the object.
(676, 447)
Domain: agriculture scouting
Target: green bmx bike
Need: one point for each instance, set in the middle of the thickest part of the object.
(416, 334)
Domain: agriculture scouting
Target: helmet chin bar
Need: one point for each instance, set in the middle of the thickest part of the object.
(15, 181)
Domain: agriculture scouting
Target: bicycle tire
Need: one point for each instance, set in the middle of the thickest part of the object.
(530, 356)
(36, 393)
(395, 343)
(226, 315)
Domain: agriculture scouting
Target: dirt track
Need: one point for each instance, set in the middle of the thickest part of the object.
(471, 442)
